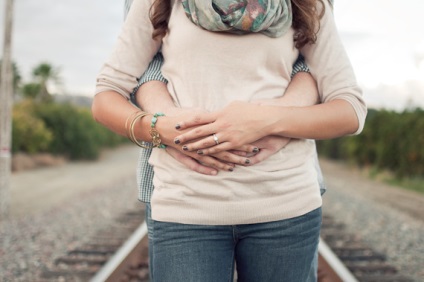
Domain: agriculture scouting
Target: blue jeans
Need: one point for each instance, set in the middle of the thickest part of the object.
(274, 251)
(149, 223)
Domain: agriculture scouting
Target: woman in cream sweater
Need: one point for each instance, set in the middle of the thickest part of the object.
(228, 59)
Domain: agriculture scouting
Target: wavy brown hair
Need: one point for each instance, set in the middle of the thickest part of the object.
(305, 19)
(159, 16)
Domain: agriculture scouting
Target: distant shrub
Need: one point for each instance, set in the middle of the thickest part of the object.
(61, 129)
(390, 140)
(76, 134)
(29, 133)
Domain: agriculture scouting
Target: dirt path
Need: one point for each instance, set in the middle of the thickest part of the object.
(38, 190)
(350, 180)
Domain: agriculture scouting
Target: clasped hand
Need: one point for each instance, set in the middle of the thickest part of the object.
(243, 142)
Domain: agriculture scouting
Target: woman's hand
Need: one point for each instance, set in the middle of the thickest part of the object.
(230, 128)
(200, 163)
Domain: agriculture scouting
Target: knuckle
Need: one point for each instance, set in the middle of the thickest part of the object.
(201, 171)
(226, 157)
(195, 158)
(237, 144)
(202, 159)
(205, 143)
(226, 125)
(218, 165)
(197, 118)
(223, 166)
(215, 165)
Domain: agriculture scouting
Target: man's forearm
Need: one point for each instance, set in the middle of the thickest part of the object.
(154, 97)
(301, 92)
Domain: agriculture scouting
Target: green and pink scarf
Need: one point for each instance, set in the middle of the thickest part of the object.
(270, 17)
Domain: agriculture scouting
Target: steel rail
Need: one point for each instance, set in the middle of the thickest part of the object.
(329, 260)
(113, 269)
(116, 265)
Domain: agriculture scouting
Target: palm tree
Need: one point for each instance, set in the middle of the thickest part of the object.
(45, 73)
(31, 90)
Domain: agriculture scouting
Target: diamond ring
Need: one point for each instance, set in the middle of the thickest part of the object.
(215, 138)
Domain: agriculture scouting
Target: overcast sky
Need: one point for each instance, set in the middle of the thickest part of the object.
(384, 38)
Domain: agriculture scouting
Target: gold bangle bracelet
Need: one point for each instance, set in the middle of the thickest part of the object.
(131, 130)
(127, 125)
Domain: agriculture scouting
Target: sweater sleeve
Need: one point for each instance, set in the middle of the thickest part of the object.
(132, 53)
(330, 66)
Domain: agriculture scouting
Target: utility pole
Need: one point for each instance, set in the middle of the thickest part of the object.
(6, 102)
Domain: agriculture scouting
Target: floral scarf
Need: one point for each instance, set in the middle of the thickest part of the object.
(270, 17)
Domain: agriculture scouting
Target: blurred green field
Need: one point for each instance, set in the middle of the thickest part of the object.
(391, 147)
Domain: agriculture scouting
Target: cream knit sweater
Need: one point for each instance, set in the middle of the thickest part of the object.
(209, 70)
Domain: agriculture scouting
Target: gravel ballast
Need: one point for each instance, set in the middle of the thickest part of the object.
(41, 228)
(389, 219)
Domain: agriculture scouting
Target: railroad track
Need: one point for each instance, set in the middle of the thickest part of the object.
(82, 262)
(120, 253)
(365, 264)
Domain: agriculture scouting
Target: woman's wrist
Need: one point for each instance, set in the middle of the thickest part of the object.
(165, 125)
(154, 133)
(151, 128)
(165, 128)
(141, 128)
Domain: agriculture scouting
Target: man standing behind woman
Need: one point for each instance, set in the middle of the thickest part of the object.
(233, 209)
(301, 92)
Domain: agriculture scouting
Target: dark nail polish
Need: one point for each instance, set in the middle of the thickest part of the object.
(247, 161)
(255, 150)
(185, 148)
(231, 169)
(200, 152)
(177, 126)
(177, 141)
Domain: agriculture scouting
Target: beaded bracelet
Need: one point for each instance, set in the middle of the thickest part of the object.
(156, 141)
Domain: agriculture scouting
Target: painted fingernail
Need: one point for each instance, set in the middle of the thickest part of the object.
(177, 141)
(185, 148)
(255, 150)
(231, 169)
(247, 161)
(177, 126)
(200, 152)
